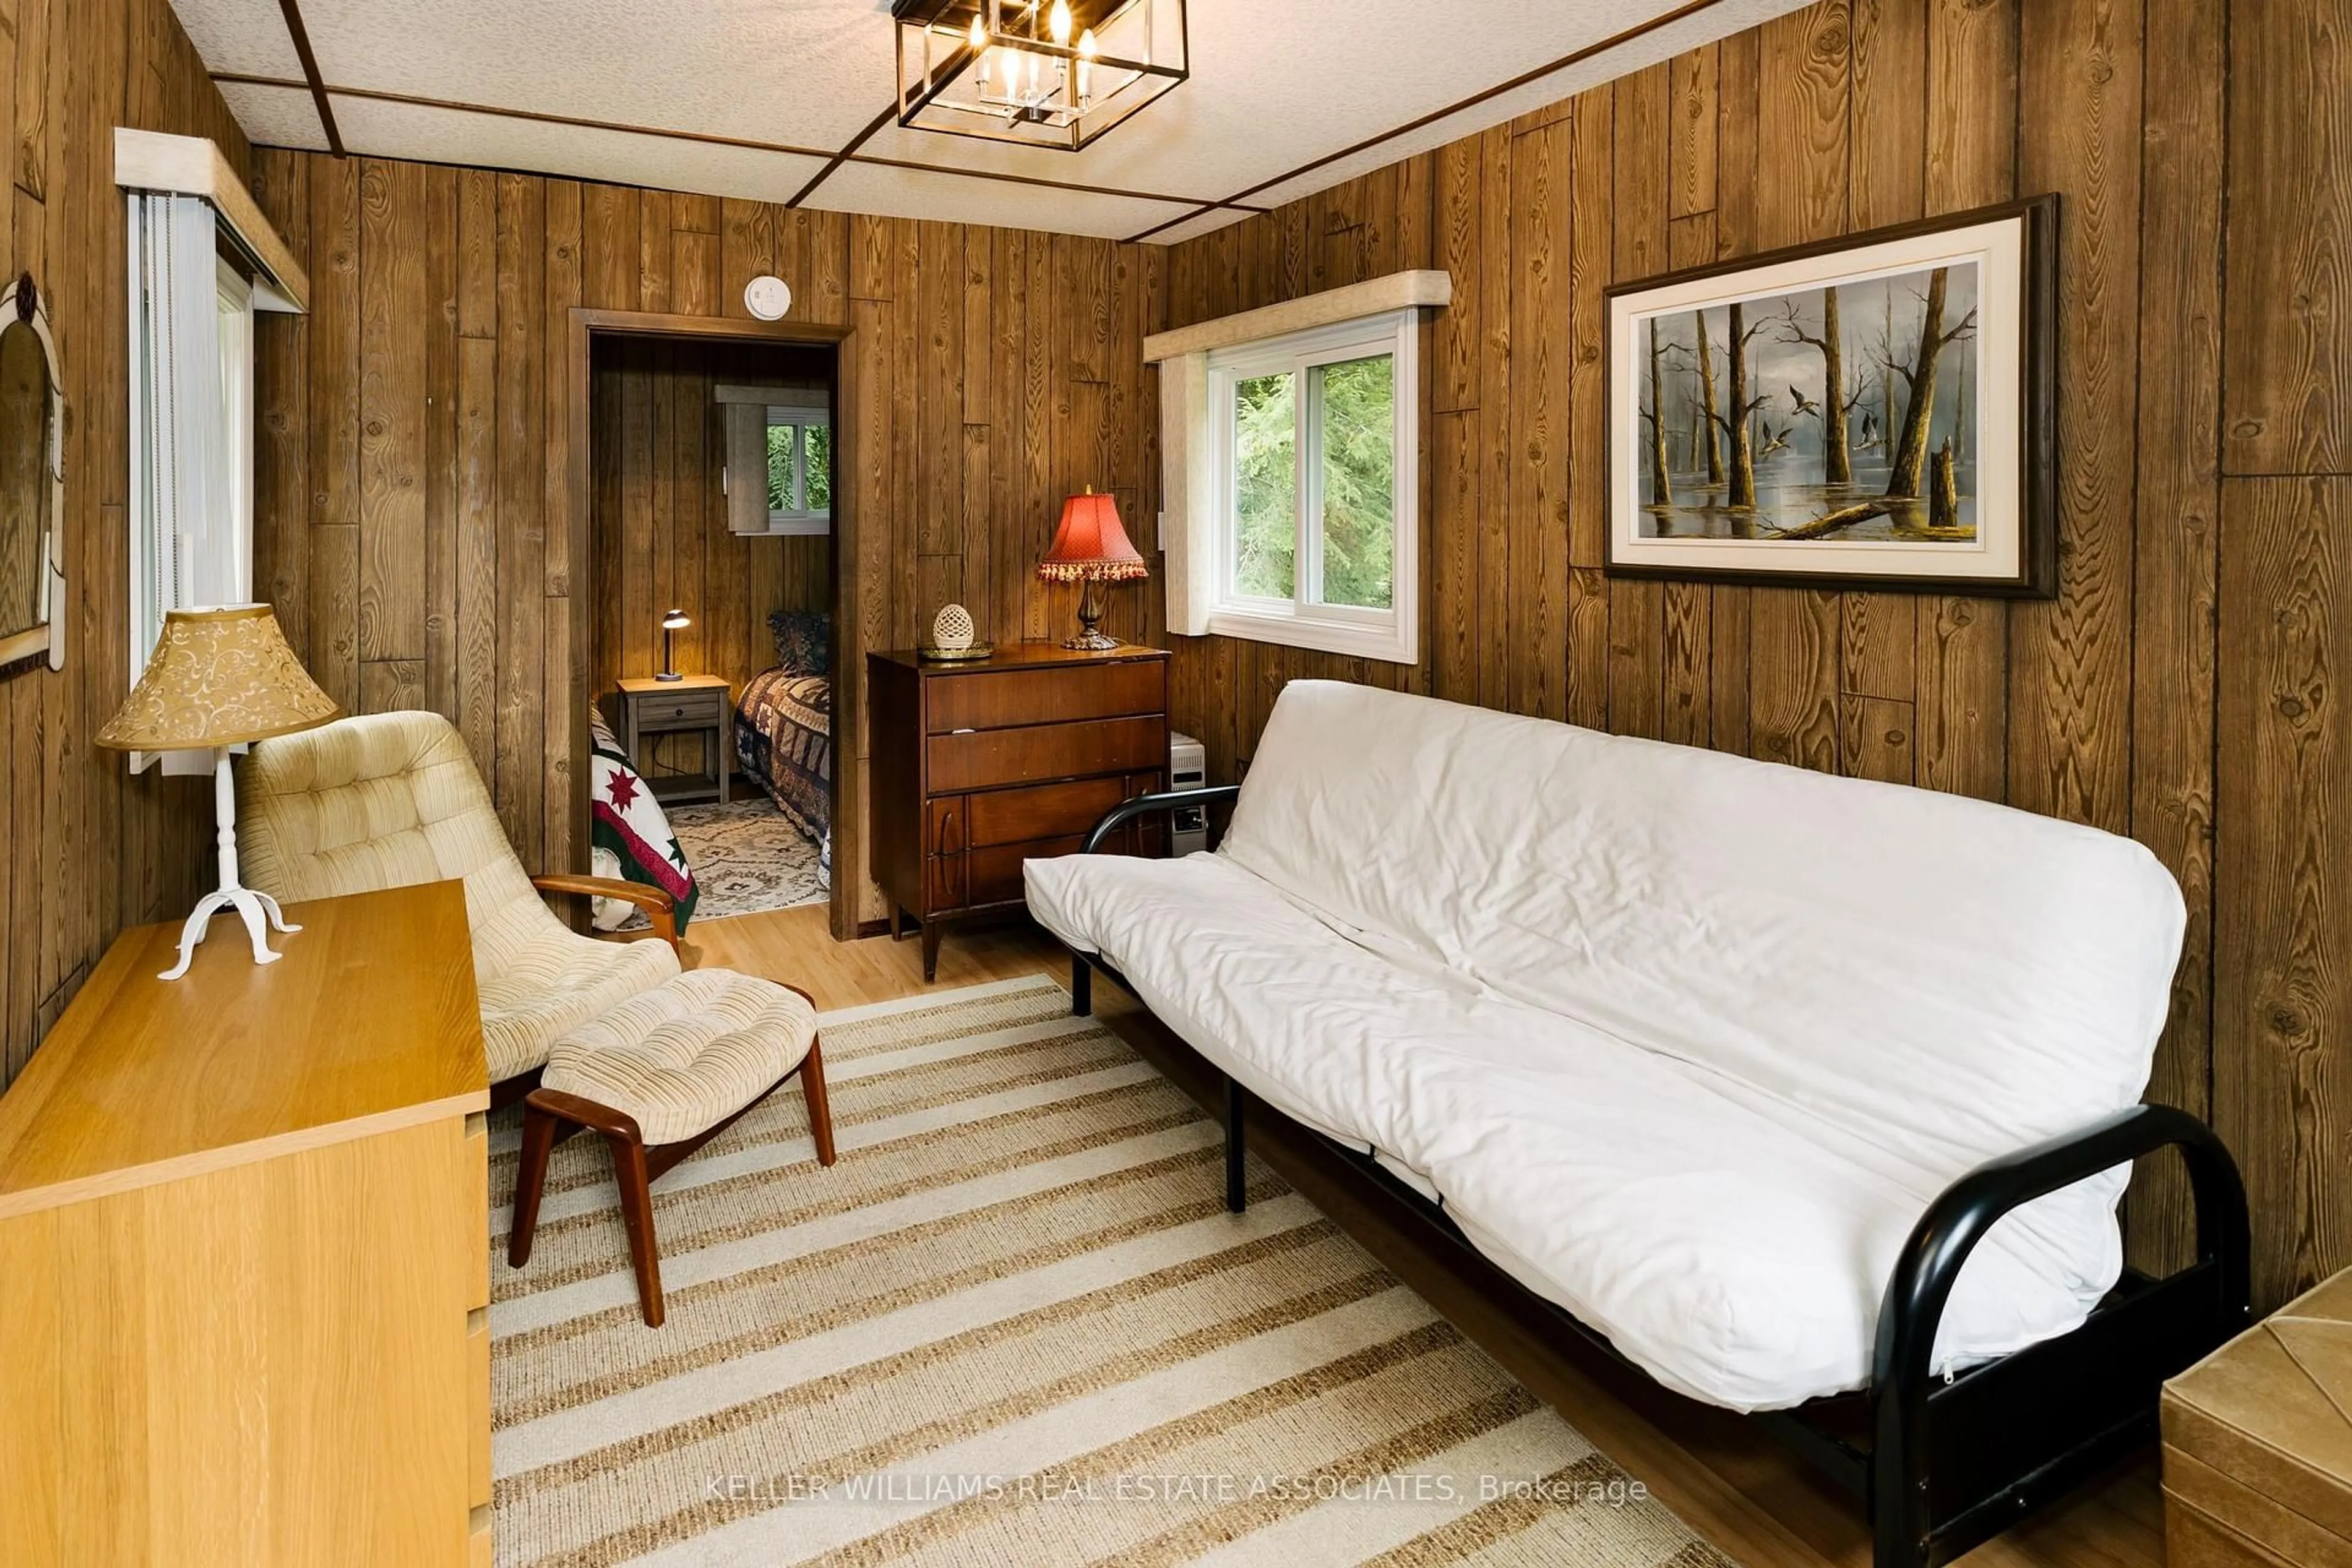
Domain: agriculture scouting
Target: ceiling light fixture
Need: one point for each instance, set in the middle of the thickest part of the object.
(1039, 73)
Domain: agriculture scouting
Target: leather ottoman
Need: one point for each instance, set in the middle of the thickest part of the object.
(2257, 1442)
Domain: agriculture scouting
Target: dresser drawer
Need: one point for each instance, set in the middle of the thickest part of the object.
(948, 829)
(996, 871)
(686, 708)
(987, 757)
(945, 883)
(992, 875)
(1047, 811)
(998, 700)
(477, 1217)
(478, 1426)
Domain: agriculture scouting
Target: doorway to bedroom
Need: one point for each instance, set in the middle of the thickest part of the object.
(712, 552)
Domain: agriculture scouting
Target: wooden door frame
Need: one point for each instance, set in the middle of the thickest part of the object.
(586, 326)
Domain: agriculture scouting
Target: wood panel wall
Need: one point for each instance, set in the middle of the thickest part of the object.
(2179, 687)
(659, 519)
(85, 848)
(412, 518)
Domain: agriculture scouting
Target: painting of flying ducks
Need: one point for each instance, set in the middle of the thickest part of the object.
(1875, 412)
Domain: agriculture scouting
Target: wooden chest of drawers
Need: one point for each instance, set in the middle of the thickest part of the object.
(976, 767)
(245, 1236)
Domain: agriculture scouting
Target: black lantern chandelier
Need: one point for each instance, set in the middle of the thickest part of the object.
(1040, 73)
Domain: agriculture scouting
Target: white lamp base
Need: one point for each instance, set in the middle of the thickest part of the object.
(255, 907)
(259, 910)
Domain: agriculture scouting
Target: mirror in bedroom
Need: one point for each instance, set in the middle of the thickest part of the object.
(711, 549)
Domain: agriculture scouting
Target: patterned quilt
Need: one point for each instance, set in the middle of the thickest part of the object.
(629, 834)
(783, 732)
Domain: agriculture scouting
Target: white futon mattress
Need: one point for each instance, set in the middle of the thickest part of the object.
(1734, 1250)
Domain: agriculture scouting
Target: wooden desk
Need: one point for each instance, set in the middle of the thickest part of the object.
(243, 1245)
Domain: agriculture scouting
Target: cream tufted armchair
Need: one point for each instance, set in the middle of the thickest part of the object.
(385, 800)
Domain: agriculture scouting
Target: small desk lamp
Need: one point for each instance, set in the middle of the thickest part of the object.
(672, 623)
(218, 678)
(1092, 548)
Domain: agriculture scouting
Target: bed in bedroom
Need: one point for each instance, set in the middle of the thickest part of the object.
(783, 722)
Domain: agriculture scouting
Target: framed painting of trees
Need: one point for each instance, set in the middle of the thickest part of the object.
(1879, 412)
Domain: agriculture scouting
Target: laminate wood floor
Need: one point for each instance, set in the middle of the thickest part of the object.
(1745, 1493)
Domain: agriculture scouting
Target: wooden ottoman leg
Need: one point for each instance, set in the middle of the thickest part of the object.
(637, 1214)
(630, 1172)
(820, 1114)
(538, 1125)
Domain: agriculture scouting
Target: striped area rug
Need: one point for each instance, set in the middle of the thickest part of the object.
(1013, 1325)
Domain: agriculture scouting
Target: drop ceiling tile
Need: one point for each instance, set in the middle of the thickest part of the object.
(276, 115)
(1194, 226)
(1727, 16)
(451, 136)
(240, 36)
(807, 73)
(904, 193)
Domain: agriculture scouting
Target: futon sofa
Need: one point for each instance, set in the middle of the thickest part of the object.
(1801, 1094)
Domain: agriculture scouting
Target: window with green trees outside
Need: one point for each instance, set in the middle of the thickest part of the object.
(800, 465)
(1314, 448)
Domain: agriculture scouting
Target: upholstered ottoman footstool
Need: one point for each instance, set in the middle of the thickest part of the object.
(660, 1076)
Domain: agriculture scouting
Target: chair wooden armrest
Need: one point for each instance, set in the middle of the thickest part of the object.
(659, 907)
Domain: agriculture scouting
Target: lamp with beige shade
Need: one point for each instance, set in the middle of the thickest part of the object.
(219, 678)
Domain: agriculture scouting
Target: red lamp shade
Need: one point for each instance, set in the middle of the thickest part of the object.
(1091, 545)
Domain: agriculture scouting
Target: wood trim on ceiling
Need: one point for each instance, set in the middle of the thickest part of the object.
(1577, 57)
(832, 159)
(310, 78)
(848, 150)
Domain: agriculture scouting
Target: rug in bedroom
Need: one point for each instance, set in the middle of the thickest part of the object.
(747, 856)
(1012, 1326)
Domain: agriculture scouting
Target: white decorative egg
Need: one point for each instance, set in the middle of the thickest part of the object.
(952, 631)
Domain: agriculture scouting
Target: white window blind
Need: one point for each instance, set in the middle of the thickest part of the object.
(191, 424)
(191, 416)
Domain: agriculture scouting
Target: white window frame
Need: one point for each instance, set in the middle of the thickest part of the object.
(223, 571)
(801, 518)
(1304, 620)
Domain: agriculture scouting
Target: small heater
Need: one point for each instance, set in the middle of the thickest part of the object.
(1188, 768)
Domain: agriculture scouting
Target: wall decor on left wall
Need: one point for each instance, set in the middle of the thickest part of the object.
(32, 480)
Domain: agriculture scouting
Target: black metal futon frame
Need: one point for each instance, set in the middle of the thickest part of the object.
(1939, 1464)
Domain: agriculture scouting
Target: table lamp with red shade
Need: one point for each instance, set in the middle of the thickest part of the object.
(1092, 548)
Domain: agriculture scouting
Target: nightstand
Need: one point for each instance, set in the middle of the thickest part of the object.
(692, 704)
